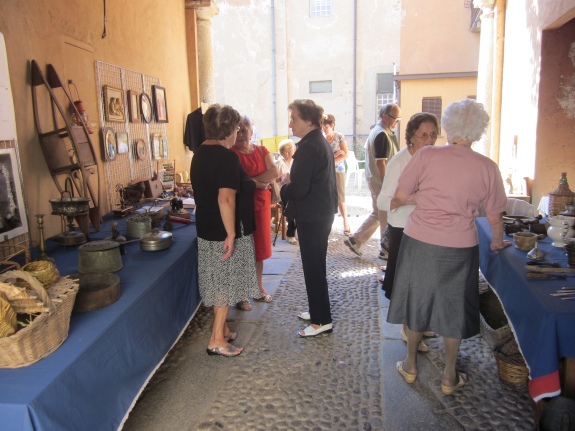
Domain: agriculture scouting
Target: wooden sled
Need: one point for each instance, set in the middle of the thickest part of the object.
(67, 148)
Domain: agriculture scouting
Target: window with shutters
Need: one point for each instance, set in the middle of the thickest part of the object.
(434, 106)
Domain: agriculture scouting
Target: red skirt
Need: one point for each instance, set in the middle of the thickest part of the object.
(263, 233)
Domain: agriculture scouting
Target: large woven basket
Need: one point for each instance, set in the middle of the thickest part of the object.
(47, 331)
(511, 366)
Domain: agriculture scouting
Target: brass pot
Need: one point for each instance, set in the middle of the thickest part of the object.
(99, 256)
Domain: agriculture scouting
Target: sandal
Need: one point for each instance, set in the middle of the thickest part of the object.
(231, 337)
(347, 232)
(228, 351)
(422, 346)
(461, 381)
(244, 305)
(267, 298)
(408, 377)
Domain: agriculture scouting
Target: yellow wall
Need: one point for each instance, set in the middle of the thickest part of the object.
(450, 90)
(146, 36)
(435, 37)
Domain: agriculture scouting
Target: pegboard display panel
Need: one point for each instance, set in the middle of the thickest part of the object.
(7, 248)
(128, 167)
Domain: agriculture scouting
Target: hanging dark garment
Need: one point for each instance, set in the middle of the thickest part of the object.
(194, 134)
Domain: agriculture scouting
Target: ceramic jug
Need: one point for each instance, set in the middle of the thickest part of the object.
(561, 229)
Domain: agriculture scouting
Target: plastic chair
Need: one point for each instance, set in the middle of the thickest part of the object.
(353, 168)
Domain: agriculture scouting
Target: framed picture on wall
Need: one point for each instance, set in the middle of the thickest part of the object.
(134, 106)
(122, 142)
(146, 107)
(114, 108)
(109, 142)
(160, 104)
(140, 149)
(156, 138)
(13, 220)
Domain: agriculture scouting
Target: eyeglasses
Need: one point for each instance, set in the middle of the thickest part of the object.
(395, 118)
(425, 136)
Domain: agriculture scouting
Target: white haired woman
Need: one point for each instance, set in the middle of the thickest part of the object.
(286, 149)
(436, 281)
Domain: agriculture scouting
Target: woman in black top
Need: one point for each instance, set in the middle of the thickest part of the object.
(224, 197)
(311, 199)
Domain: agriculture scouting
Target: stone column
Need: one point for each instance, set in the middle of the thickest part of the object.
(205, 10)
(485, 69)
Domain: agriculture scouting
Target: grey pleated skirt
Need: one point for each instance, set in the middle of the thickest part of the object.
(436, 289)
(224, 283)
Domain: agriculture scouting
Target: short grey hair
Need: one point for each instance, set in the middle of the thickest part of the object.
(466, 119)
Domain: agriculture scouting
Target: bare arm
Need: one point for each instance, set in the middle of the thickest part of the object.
(270, 174)
(381, 165)
(227, 203)
(342, 153)
(496, 224)
(402, 198)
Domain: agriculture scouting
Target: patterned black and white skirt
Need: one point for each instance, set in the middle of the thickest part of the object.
(224, 283)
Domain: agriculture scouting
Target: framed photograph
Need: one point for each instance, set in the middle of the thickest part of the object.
(146, 107)
(156, 138)
(140, 149)
(122, 142)
(165, 149)
(160, 104)
(114, 104)
(13, 220)
(109, 140)
(134, 106)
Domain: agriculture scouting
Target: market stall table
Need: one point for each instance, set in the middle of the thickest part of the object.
(544, 325)
(94, 378)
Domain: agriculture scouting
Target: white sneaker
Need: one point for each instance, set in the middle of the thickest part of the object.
(292, 240)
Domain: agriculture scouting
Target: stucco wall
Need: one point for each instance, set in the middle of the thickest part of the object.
(556, 122)
(449, 89)
(435, 38)
(145, 36)
(530, 137)
(306, 49)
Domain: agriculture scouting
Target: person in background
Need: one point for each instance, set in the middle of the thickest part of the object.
(421, 130)
(284, 163)
(435, 286)
(381, 145)
(259, 164)
(339, 145)
(225, 223)
(311, 198)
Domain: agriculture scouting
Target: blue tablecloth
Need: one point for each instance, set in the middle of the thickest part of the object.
(93, 379)
(544, 325)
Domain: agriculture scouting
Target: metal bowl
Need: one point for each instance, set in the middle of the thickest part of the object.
(99, 256)
(97, 290)
(156, 240)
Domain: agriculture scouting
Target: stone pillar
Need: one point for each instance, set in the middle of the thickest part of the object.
(204, 14)
(485, 69)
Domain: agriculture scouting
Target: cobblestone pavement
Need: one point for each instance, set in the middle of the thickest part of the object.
(345, 380)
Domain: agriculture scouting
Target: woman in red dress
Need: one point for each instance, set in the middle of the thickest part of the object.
(258, 164)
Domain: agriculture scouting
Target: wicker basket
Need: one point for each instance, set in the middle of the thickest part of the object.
(43, 271)
(561, 196)
(47, 331)
(511, 366)
(8, 323)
